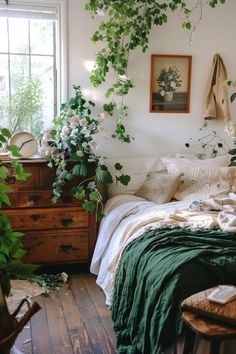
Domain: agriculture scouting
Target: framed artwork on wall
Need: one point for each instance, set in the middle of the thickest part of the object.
(170, 83)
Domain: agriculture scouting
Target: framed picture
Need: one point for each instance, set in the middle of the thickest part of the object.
(170, 83)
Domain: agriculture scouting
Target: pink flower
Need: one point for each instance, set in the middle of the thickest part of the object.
(82, 121)
(74, 122)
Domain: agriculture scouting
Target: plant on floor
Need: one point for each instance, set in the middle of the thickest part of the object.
(126, 26)
(72, 138)
(11, 250)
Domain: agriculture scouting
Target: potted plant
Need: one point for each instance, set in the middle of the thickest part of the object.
(169, 81)
(72, 138)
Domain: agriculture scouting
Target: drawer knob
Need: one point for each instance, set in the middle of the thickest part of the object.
(67, 222)
(34, 198)
(68, 248)
(35, 217)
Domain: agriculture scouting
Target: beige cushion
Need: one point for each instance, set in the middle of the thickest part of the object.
(137, 168)
(159, 189)
(200, 183)
(171, 162)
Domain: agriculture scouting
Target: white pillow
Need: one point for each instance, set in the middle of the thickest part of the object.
(171, 162)
(200, 183)
(159, 189)
(137, 168)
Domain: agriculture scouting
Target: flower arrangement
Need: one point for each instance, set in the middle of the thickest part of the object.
(169, 80)
(72, 138)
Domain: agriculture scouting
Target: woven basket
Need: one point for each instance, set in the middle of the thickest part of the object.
(199, 304)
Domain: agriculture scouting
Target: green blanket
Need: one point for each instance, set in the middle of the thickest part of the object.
(156, 273)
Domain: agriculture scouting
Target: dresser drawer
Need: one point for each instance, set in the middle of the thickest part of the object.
(36, 199)
(51, 218)
(31, 183)
(56, 246)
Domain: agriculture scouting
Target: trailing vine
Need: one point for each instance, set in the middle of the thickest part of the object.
(126, 26)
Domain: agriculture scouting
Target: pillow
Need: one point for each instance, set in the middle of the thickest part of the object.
(171, 162)
(200, 183)
(159, 189)
(137, 168)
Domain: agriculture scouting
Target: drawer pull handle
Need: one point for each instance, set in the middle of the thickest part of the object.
(35, 217)
(10, 179)
(34, 198)
(68, 248)
(67, 222)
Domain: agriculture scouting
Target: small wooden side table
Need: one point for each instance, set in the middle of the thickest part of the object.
(206, 329)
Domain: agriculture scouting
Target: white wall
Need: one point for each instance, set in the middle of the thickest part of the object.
(157, 133)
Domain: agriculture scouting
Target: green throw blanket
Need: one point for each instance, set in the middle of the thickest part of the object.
(157, 272)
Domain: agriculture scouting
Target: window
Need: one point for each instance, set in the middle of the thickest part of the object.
(32, 59)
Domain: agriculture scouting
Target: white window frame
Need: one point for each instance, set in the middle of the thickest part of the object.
(62, 63)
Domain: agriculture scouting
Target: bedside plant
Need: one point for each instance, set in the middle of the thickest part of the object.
(72, 138)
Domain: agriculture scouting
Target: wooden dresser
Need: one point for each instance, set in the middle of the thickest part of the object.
(53, 233)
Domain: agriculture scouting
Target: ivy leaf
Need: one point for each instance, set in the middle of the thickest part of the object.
(118, 166)
(80, 170)
(3, 172)
(123, 179)
(6, 132)
(103, 175)
(89, 206)
(14, 150)
(4, 188)
(232, 152)
(80, 193)
(94, 196)
(100, 216)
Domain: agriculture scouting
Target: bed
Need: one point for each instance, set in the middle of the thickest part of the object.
(149, 255)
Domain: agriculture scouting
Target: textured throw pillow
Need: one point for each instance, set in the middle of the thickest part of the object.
(200, 183)
(174, 163)
(159, 189)
(137, 168)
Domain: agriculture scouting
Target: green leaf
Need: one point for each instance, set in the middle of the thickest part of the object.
(232, 152)
(5, 199)
(14, 150)
(89, 206)
(232, 97)
(118, 166)
(123, 179)
(80, 170)
(80, 193)
(94, 196)
(3, 172)
(4, 188)
(103, 175)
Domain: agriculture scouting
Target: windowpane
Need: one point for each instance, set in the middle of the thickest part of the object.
(3, 32)
(19, 35)
(4, 89)
(42, 67)
(19, 69)
(41, 36)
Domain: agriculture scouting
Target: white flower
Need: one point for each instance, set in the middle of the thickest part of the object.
(162, 92)
(86, 132)
(73, 142)
(80, 153)
(173, 84)
(84, 145)
(231, 131)
(74, 122)
(64, 277)
(64, 132)
(93, 144)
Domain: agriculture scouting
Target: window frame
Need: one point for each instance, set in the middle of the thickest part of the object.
(61, 76)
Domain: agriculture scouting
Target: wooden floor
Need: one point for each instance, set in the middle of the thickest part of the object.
(74, 320)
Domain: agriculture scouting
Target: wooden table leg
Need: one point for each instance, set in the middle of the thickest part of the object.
(215, 346)
(189, 341)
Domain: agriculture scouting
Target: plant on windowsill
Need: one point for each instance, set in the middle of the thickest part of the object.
(72, 138)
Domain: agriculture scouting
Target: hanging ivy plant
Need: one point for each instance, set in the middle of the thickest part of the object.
(126, 26)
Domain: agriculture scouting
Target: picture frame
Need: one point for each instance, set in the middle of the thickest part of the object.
(170, 83)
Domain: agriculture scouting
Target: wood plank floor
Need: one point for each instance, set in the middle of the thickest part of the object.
(72, 321)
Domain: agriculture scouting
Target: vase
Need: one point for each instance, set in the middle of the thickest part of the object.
(168, 96)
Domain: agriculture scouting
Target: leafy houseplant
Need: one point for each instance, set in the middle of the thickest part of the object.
(11, 250)
(72, 138)
(169, 80)
(125, 26)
